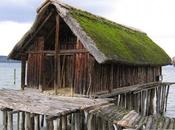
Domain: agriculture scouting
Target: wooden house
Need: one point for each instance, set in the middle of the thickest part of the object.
(70, 48)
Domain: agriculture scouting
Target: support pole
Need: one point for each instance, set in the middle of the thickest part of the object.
(22, 122)
(49, 124)
(57, 57)
(37, 122)
(18, 119)
(10, 120)
(27, 121)
(64, 122)
(23, 74)
(4, 120)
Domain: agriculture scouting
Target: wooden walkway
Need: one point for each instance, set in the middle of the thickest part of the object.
(34, 102)
(35, 110)
(120, 118)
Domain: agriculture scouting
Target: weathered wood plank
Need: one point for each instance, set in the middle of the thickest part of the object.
(51, 105)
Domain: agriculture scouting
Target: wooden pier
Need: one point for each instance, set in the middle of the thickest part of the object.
(34, 110)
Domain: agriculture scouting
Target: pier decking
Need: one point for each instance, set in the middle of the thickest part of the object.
(36, 110)
(38, 103)
(33, 107)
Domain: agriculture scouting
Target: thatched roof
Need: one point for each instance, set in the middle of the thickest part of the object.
(107, 41)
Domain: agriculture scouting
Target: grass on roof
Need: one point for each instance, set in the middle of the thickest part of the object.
(119, 42)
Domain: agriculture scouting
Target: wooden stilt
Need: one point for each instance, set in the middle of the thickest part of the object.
(27, 121)
(18, 120)
(37, 122)
(59, 124)
(89, 122)
(49, 124)
(4, 120)
(55, 124)
(103, 124)
(64, 122)
(10, 120)
(73, 122)
(32, 118)
(22, 121)
(77, 121)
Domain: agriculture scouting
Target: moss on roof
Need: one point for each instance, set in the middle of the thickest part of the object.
(119, 42)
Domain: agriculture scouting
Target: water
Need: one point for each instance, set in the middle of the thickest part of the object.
(7, 75)
(169, 76)
(7, 81)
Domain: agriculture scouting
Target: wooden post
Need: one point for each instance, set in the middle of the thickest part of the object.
(57, 57)
(4, 120)
(41, 63)
(49, 124)
(18, 119)
(10, 120)
(112, 78)
(89, 122)
(103, 124)
(152, 96)
(22, 123)
(77, 121)
(27, 121)
(37, 122)
(64, 122)
(32, 121)
(59, 124)
(23, 74)
(72, 121)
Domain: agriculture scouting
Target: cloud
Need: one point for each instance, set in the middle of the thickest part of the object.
(18, 10)
(11, 33)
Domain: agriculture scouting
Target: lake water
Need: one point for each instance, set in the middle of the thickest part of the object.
(7, 81)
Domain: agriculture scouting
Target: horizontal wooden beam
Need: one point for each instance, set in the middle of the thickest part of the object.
(133, 88)
(62, 52)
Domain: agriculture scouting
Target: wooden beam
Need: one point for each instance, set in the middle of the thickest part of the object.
(23, 72)
(41, 42)
(36, 32)
(57, 57)
(134, 88)
(62, 52)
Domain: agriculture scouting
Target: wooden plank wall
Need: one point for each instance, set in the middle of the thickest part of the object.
(35, 65)
(108, 77)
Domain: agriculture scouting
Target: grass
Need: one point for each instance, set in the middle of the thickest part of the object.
(119, 42)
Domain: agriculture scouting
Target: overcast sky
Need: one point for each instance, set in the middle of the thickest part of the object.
(155, 17)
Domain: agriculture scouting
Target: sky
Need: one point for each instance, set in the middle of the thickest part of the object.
(154, 17)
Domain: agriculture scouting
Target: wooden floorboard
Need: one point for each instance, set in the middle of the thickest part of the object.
(35, 102)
